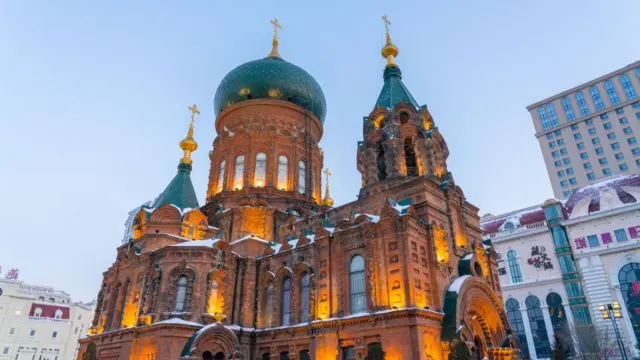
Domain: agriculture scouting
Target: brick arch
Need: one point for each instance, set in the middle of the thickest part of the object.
(215, 338)
(266, 278)
(166, 213)
(299, 270)
(470, 298)
(172, 286)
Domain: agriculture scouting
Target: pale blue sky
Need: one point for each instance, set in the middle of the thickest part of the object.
(94, 96)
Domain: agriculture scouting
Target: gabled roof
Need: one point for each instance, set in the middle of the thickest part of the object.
(393, 91)
(180, 191)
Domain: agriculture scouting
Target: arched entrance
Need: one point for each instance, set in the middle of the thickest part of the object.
(219, 356)
(213, 342)
(629, 278)
(207, 355)
(478, 349)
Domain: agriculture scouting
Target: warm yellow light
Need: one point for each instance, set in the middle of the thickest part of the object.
(616, 305)
(259, 183)
(244, 91)
(605, 315)
(274, 93)
(378, 121)
(602, 308)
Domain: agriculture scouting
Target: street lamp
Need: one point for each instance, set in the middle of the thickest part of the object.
(612, 311)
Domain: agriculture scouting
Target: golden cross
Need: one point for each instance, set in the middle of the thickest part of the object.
(386, 23)
(194, 111)
(276, 26)
(327, 173)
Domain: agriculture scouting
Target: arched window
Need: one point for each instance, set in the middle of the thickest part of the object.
(219, 356)
(584, 109)
(559, 321)
(628, 88)
(380, 162)
(612, 92)
(266, 356)
(41, 298)
(238, 179)
(410, 157)
(538, 328)
(286, 301)
(220, 184)
(304, 355)
(52, 300)
(207, 355)
(302, 177)
(357, 285)
(123, 302)
(566, 104)
(305, 292)
(629, 276)
(268, 304)
(515, 319)
(181, 293)
(284, 355)
(213, 297)
(37, 312)
(595, 95)
(404, 118)
(58, 314)
(514, 267)
(348, 353)
(283, 172)
(509, 225)
(259, 178)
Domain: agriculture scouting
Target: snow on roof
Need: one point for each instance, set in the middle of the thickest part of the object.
(457, 283)
(276, 247)
(177, 321)
(401, 206)
(190, 243)
(372, 218)
(252, 237)
(468, 256)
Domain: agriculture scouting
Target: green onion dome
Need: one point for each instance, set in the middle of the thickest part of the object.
(271, 78)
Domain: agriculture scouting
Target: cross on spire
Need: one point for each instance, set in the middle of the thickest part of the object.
(386, 23)
(194, 110)
(274, 50)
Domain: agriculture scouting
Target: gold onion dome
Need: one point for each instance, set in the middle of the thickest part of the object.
(188, 144)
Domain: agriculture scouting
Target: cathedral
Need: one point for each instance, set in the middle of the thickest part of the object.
(269, 268)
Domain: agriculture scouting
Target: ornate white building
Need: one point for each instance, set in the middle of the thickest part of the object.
(560, 261)
(40, 322)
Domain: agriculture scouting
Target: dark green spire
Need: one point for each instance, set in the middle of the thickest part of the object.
(180, 190)
(394, 91)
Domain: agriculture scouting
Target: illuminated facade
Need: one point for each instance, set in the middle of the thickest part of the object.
(266, 269)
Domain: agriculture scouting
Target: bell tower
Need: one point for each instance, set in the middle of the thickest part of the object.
(400, 140)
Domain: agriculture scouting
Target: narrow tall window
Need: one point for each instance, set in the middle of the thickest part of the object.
(628, 88)
(283, 172)
(628, 277)
(538, 327)
(268, 305)
(181, 294)
(543, 118)
(595, 95)
(238, 179)
(58, 314)
(213, 297)
(220, 185)
(259, 178)
(566, 104)
(380, 162)
(552, 115)
(38, 312)
(638, 73)
(514, 267)
(286, 301)
(356, 285)
(410, 157)
(302, 177)
(305, 298)
(584, 109)
(515, 319)
(612, 92)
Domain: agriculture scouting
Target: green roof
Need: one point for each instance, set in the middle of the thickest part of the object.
(180, 191)
(393, 91)
(271, 78)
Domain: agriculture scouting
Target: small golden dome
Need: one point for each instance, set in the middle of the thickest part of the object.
(188, 144)
(389, 50)
(328, 201)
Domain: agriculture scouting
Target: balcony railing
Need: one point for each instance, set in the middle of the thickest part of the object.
(507, 232)
(46, 319)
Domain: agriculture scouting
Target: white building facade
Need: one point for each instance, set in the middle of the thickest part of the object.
(559, 262)
(40, 323)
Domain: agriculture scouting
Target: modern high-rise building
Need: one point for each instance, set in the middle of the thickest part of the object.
(591, 131)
